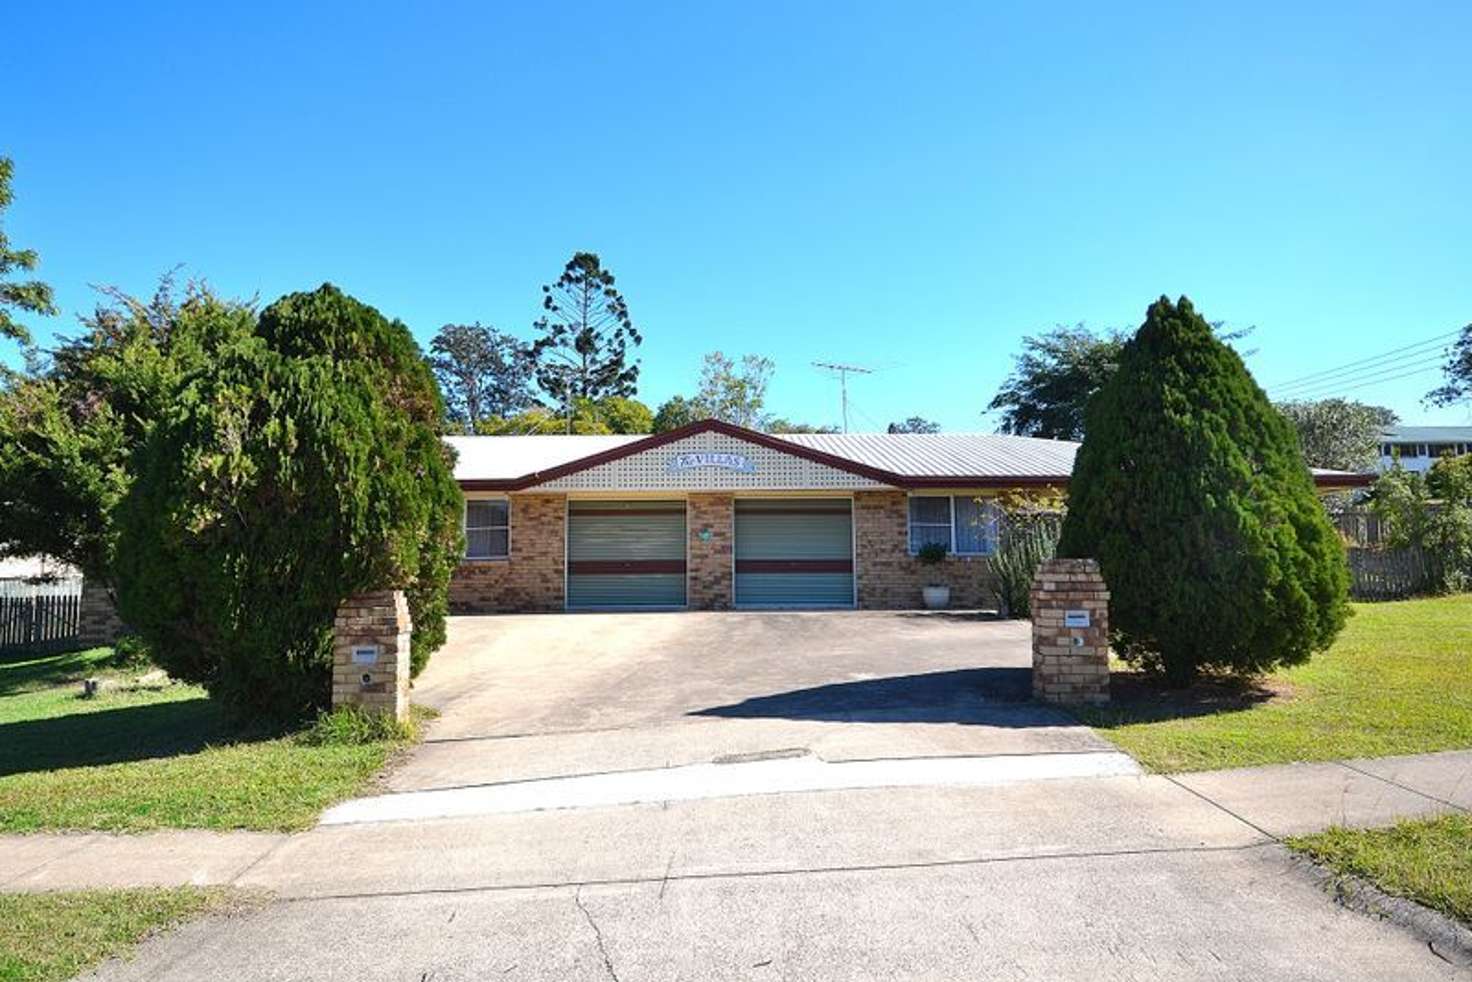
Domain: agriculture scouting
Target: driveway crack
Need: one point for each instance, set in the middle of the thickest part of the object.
(577, 898)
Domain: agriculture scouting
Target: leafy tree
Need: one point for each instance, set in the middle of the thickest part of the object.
(779, 425)
(622, 415)
(302, 464)
(584, 335)
(1058, 372)
(734, 393)
(29, 296)
(1432, 513)
(613, 414)
(481, 372)
(69, 428)
(915, 424)
(1191, 492)
(1053, 379)
(1338, 434)
(675, 412)
(1457, 369)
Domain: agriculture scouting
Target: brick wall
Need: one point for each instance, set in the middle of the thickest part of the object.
(98, 620)
(1070, 664)
(889, 577)
(532, 579)
(377, 623)
(710, 580)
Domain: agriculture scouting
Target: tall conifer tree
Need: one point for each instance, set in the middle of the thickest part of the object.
(1191, 492)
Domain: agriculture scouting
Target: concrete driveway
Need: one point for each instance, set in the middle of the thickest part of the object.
(1099, 878)
(538, 696)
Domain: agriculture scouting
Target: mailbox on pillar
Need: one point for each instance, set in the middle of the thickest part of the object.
(371, 653)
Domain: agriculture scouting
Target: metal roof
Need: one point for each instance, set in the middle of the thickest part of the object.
(946, 454)
(1427, 434)
(904, 459)
(501, 458)
(930, 455)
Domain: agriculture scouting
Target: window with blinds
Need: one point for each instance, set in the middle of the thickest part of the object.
(487, 528)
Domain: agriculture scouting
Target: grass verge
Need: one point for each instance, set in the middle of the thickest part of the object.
(161, 756)
(1425, 860)
(52, 936)
(1398, 681)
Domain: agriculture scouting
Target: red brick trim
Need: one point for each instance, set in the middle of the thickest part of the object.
(628, 566)
(794, 566)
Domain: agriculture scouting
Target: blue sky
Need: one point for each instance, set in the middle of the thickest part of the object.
(911, 187)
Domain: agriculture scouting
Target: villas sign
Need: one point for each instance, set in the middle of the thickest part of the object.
(697, 460)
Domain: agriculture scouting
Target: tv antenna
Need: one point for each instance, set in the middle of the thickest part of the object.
(842, 372)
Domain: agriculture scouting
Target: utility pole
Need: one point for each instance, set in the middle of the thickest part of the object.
(843, 371)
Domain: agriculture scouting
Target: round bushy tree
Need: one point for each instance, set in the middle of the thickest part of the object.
(303, 465)
(1190, 490)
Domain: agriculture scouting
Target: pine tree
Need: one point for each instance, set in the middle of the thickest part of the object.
(584, 335)
(29, 296)
(1191, 492)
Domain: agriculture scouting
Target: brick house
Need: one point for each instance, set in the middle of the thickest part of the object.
(713, 516)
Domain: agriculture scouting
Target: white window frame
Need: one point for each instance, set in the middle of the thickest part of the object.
(465, 529)
(950, 523)
(951, 510)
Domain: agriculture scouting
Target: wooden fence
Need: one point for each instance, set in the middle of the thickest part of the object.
(1358, 526)
(39, 617)
(1387, 574)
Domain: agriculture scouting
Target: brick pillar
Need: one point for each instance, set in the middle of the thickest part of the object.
(97, 621)
(370, 653)
(711, 522)
(1070, 633)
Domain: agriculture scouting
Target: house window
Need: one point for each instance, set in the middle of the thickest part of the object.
(930, 522)
(487, 528)
(976, 526)
(961, 523)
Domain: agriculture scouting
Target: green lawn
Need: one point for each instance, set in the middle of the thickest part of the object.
(48, 937)
(1427, 860)
(1398, 681)
(145, 758)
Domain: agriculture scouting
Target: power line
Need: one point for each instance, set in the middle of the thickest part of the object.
(843, 372)
(1425, 357)
(1333, 385)
(1371, 361)
(1362, 383)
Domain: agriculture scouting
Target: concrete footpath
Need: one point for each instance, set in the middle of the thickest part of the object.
(1080, 878)
(823, 827)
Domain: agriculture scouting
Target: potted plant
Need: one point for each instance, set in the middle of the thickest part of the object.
(937, 595)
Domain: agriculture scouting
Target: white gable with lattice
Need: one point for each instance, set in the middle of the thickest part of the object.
(711, 462)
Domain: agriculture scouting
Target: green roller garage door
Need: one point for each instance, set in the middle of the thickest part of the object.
(794, 552)
(626, 554)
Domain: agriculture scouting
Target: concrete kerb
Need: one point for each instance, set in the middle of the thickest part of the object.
(1445, 937)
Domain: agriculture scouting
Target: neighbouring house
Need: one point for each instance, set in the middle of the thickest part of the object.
(1418, 447)
(35, 568)
(713, 516)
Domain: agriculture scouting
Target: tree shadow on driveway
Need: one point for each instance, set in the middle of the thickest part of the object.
(978, 696)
